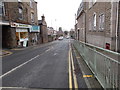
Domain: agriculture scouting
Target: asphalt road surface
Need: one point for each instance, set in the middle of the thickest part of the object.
(44, 66)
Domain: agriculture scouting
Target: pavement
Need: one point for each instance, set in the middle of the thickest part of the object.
(54, 65)
(84, 73)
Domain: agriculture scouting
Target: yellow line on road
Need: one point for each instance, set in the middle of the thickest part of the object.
(74, 75)
(70, 73)
(7, 53)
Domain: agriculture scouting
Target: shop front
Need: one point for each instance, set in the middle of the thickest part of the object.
(22, 35)
(34, 34)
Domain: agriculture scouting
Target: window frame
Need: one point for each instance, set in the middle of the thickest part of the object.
(94, 21)
(32, 18)
(31, 4)
(2, 6)
(101, 22)
(20, 13)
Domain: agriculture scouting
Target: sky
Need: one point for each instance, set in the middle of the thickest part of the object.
(58, 13)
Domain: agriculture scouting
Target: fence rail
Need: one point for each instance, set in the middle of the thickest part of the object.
(102, 65)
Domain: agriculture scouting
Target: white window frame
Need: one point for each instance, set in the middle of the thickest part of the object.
(32, 17)
(94, 21)
(19, 0)
(20, 12)
(2, 6)
(101, 21)
(31, 5)
(90, 3)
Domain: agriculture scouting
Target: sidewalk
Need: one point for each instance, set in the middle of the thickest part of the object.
(84, 74)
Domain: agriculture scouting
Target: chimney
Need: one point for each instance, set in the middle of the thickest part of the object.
(43, 17)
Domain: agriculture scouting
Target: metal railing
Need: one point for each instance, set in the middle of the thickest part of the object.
(103, 67)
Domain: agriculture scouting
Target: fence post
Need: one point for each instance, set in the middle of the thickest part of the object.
(95, 62)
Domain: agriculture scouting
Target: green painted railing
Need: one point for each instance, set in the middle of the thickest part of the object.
(100, 61)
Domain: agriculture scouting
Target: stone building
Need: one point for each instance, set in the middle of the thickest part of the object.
(101, 24)
(19, 23)
(43, 30)
(81, 19)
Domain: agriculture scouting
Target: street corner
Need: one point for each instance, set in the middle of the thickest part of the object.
(4, 53)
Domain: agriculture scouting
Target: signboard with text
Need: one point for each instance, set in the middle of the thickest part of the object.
(35, 29)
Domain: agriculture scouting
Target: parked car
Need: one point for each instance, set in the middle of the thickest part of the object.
(60, 38)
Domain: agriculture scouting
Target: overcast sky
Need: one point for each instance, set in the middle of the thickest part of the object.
(58, 13)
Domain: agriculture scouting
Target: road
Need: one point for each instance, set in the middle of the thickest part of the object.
(44, 66)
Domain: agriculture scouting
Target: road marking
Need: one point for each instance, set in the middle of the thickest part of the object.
(23, 88)
(18, 67)
(74, 75)
(18, 49)
(77, 57)
(7, 53)
(47, 50)
(87, 76)
(70, 73)
(86, 80)
(55, 54)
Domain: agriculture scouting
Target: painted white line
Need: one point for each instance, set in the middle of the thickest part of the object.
(55, 54)
(20, 88)
(18, 67)
(47, 50)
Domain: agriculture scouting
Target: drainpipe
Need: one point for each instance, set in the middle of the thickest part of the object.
(117, 26)
(85, 26)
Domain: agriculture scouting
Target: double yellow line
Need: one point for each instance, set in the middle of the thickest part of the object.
(72, 75)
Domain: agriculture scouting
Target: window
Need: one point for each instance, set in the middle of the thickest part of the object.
(94, 1)
(2, 9)
(90, 25)
(101, 21)
(94, 21)
(32, 17)
(19, 0)
(20, 13)
(31, 4)
(90, 3)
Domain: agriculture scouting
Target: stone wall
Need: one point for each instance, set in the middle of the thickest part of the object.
(8, 37)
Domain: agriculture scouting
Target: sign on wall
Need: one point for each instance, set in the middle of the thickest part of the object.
(35, 29)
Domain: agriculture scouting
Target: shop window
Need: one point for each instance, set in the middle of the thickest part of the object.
(2, 9)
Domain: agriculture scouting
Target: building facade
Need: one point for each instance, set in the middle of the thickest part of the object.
(43, 30)
(19, 24)
(101, 24)
(81, 19)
